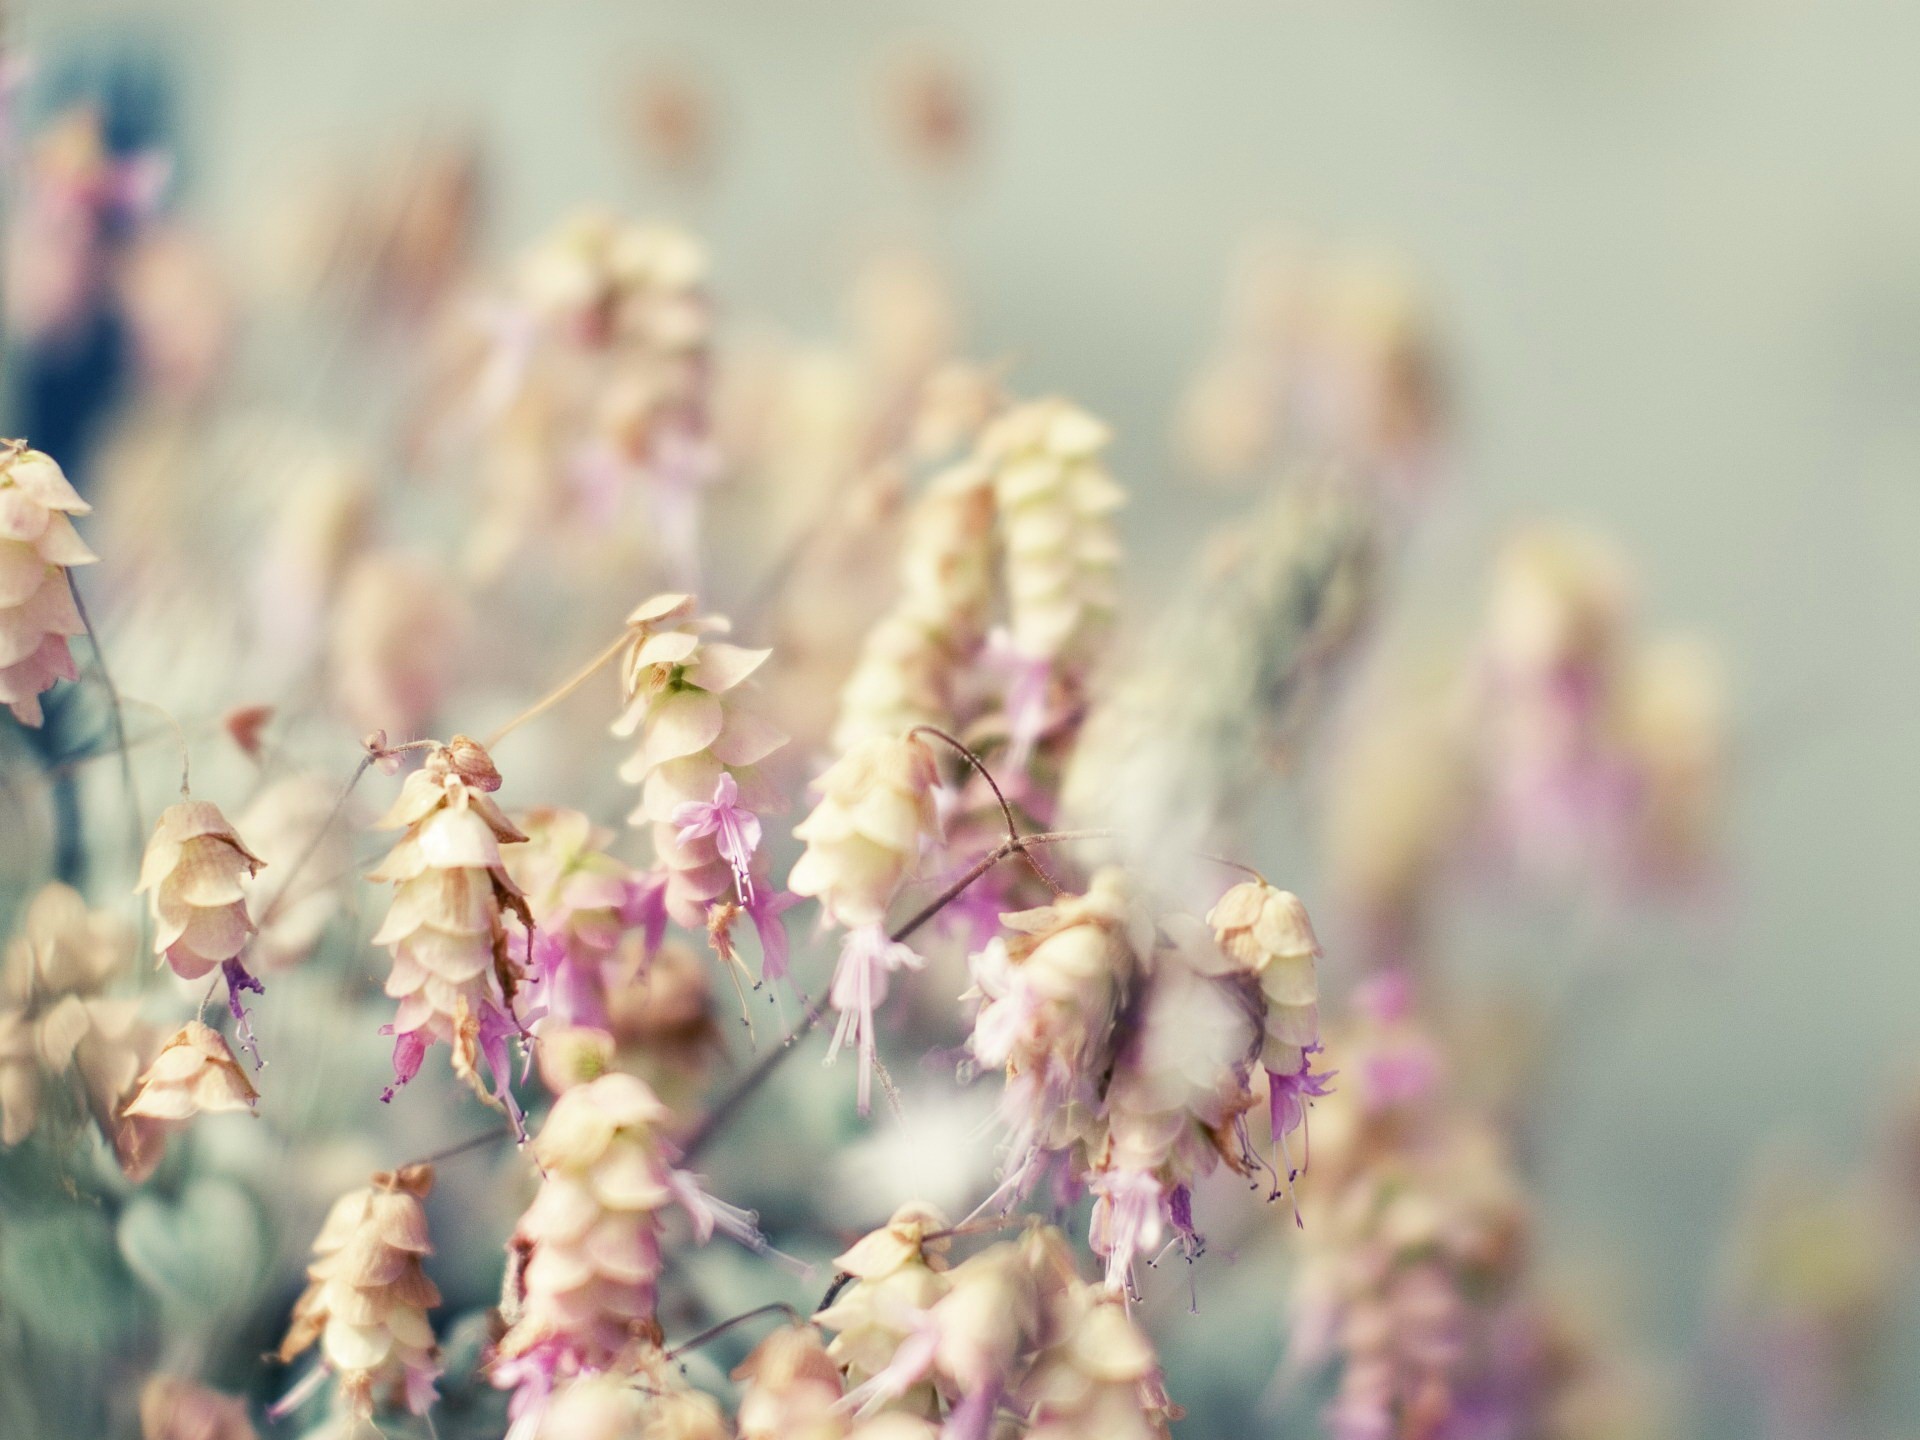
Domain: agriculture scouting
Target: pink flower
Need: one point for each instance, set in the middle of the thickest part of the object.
(859, 984)
(736, 829)
(1126, 1219)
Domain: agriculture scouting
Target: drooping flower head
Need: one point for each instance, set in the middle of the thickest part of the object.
(583, 1286)
(453, 972)
(38, 546)
(195, 874)
(863, 837)
(195, 1073)
(689, 697)
(367, 1299)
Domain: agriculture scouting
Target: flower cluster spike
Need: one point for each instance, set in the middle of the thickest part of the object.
(583, 1286)
(914, 659)
(38, 546)
(899, 1272)
(701, 745)
(792, 1388)
(453, 969)
(367, 1298)
(864, 836)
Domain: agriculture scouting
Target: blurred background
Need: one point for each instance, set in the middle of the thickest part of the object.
(1668, 266)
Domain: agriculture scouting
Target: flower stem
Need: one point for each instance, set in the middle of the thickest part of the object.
(1006, 810)
(554, 697)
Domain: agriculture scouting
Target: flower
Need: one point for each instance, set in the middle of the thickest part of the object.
(55, 1019)
(1265, 933)
(367, 1299)
(195, 873)
(584, 1281)
(702, 744)
(875, 811)
(38, 547)
(452, 970)
(735, 829)
(867, 958)
(584, 904)
(176, 1409)
(194, 1074)
(792, 1388)
(899, 1273)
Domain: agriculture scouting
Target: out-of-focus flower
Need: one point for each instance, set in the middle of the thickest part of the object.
(653, 1404)
(583, 903)
(1096, 1377)
(863, 837)
(792, 1389)
(194, 1074)
(176, 1409)
(367, 1298)
(38, 547)
(55, 1019)
(673, 120)
(917, 653)
(928, 108)
(394, 643)
(452, 968)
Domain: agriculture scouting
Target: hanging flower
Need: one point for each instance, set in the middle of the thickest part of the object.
(38, 547)
(453, 970)
(367, 1299)
(702, 793)
(195, 1073)
(176, 1409)
(195, 874)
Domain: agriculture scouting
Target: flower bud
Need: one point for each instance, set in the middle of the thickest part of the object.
(38, 547)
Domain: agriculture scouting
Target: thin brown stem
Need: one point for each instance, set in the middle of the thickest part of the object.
(179, 736)
(1006, 810)
(318, 838)
(467, 1146)
(554, 697)
(715, 1331)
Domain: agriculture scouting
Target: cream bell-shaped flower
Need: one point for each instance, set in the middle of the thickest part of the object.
(864, 836)
(1265, 932)
(38, 547)
(689, 699)
(453, 969)
(654, 1404)
(195, 875)
(1051, 992)
(899, 1273)
(367, 1299)
(585, 1258)
(195, 1073)
(1098, 1378)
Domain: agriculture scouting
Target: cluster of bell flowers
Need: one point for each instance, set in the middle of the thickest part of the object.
(1011, 1333)
(60, 1021)
(864, 838)
(367, 1298)
(920, 655)
(1416, 1282)
(702, 791)
(38, 549)
(1128, 1043)
(595, 385)
(586, 1257)
(453, 973)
